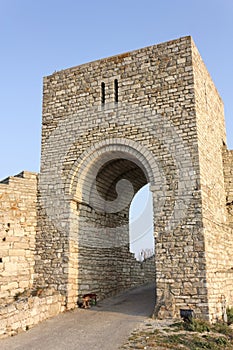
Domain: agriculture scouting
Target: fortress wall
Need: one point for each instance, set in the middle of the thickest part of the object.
(155, 110)
(21, 304)
(28, 310)
(211, 145)
(166, 128)
(18, 221)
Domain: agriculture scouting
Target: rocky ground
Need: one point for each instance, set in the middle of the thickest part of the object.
(164, 335)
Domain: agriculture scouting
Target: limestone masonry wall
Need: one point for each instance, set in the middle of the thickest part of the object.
(18, 221)
(121, 273)
(218, 244)
(151, 125)
(21, 305)
(150, 116)
(28, 310)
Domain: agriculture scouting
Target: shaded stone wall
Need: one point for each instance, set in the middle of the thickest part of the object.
(228, 177)
(218, 244)
(18, 221)
(110, 271)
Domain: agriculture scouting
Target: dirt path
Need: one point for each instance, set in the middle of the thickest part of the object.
(103, 327)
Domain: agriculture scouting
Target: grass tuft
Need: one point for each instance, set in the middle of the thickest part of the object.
(229, 315)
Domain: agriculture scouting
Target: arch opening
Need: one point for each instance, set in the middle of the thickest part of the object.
(108, 185)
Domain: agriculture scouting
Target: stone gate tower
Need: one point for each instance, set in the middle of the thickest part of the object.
(110, 127)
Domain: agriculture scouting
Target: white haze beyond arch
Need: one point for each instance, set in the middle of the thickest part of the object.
(141, 235)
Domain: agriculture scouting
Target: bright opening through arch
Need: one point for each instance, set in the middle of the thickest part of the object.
(141, 236)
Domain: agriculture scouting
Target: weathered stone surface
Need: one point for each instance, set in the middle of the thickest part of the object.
(109, 127)
(26, 312)
(18, 221)
(166, 128)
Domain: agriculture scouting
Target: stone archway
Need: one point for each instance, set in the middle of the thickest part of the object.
(157, 128)
(148, 116)
(101, 185)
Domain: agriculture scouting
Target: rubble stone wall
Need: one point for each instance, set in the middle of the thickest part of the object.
(18, 222)
(28, 310)
(111, 270)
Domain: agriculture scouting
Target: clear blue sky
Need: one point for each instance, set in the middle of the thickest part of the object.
(39, 37)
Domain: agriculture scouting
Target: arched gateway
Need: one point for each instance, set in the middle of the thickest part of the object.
(110, 127)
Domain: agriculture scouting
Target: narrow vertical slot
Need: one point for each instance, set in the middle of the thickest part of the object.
(116, 90)
(103, 93)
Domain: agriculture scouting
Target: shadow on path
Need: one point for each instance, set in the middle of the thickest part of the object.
(135, 302)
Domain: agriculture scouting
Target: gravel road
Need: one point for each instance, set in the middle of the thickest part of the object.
(103, 327)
